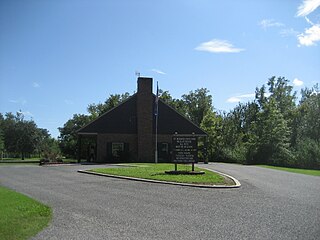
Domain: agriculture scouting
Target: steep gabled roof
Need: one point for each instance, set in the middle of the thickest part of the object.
(170, 121)
(123, 119)
(120, 119)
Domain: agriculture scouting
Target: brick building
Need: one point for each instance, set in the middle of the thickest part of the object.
(127, 132)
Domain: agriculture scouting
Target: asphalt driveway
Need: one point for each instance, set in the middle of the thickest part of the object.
(270, 204)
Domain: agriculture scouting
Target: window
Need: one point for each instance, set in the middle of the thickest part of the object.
(117, 148)
(164, 147)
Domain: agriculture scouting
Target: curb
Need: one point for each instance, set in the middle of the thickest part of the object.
(237, 183)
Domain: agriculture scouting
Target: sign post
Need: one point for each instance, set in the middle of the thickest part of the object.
(184, 151)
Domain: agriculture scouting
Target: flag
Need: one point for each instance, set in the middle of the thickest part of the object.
(156, 102)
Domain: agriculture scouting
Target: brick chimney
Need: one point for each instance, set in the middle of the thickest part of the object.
(144, 119)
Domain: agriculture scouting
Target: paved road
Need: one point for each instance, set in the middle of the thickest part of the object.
(270, 205)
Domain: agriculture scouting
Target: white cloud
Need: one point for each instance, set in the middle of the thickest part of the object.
(35, 85)
(240, 98)
(158, 71)
(297, 82)
(288, 32)
(267, 23)
(233, 100)
(218, 46)
(310, 36)
(307, 7)
(309, 21)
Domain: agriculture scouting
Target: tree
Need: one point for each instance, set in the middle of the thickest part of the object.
(68, 134)
(166, 97)
(212, 124)
(273, 137)
(45, 141)
(197, 104)
(281, 92)
(177, 104)
(261, 131)
(26, 137)
(1, 136)
(1, 143)
(307, 147)
(20, 135)
(96, 110)
(309, 114)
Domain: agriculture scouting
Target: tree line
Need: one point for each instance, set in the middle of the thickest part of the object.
(20, 138)
(272, 129)
(276, 128)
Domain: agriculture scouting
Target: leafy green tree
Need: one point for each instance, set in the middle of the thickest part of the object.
(281, 92)
(19, 134)
(46, 144)
(1, 136)
(307, 147)
(26, 137)
(68, 134)
(166, 97)
(197, 104)
(309, 114)
(239, 132)
(177, 104)
(261, 131)
(1, 143)
(96, 110)
(273, 136)
(212, 124)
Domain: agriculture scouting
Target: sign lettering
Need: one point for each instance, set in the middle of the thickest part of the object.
(185, 149)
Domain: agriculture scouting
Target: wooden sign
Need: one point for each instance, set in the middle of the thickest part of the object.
(184, 149)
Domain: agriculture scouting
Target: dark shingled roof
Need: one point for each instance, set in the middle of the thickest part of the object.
(122, 119)
(170, 121)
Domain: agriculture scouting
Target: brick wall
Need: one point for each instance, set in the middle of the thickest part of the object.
(103, 139)
(145, 120)
(142, 145)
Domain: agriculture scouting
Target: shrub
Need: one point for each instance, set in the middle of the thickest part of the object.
(236, 154)
(307, 154)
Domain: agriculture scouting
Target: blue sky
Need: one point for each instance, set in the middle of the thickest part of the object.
(56, 57)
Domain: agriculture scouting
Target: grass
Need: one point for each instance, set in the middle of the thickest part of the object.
(6, 162)
(20, 216)
(19, 164)
(294, 170)
(157, 172)
(19, 159)
(29, 161)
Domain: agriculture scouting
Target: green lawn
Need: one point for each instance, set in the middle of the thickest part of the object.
(295, 170)
(20, 216)
(19, 159)
(157, 172)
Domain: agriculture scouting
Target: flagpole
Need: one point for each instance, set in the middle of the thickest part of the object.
(156, 153)
(156, 111)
